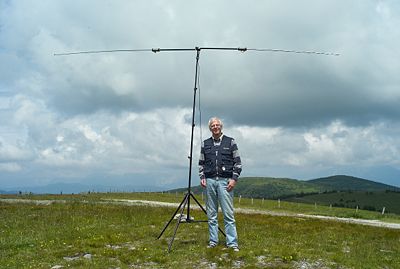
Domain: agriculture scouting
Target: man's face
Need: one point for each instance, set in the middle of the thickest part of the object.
(215, 128)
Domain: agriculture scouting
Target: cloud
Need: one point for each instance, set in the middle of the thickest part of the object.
(336, 144)
(281, 86)
(128, 115)
(100, 143)
(9, 167)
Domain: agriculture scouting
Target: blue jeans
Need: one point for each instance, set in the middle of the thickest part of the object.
(217, 194)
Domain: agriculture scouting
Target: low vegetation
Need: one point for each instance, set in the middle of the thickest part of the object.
(81, 232)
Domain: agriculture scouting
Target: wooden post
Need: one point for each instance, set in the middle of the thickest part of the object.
(279, 203)
(240, 198)
(252, 201)
(383, 210)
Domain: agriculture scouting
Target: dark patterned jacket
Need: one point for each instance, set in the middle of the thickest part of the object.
(220, 158)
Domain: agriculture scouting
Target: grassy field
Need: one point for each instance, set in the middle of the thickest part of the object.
(259, 204)
(81, 233)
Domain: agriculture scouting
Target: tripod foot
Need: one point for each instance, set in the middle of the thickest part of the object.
(183, 218)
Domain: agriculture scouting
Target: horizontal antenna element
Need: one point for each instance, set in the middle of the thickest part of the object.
(99, 51)
(241, 49)
(297, 51)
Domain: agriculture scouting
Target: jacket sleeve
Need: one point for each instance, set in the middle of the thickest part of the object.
(237, 162)
(201, 162)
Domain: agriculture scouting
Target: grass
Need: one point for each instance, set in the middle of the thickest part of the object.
(79, 234)
(258, 204)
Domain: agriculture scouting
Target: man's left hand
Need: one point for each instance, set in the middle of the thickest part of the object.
(231, 185)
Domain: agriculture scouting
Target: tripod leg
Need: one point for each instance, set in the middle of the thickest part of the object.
(205, 212)
(178, 222)
(173, 215)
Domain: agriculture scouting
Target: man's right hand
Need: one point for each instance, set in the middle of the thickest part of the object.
(203, 182)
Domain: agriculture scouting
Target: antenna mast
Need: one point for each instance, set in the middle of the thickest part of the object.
(186, 200)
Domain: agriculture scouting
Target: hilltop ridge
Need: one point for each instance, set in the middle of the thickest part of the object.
(344, 183)
(272, 188)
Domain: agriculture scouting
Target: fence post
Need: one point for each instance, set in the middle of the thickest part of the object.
(252, 201)
(279, 203)
(262, 201)
(357, 209)
(240, 198)
(383, 210)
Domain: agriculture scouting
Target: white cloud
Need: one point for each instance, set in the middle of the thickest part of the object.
(128, 115)
(9, 167)
(317, 149)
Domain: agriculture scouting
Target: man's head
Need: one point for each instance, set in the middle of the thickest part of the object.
(215, 125)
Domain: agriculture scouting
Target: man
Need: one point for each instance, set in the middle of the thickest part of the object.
(219, 170)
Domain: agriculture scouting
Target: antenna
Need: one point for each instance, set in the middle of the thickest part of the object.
(186, 199)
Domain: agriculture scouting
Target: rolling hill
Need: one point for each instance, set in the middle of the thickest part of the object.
(348, 183)
(273, 188)
(338, 191)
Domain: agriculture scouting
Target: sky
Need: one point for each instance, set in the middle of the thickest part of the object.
(124, 118)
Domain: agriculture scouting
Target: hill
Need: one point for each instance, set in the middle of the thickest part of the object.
(266, 187)
(273, 188)
(349, 183)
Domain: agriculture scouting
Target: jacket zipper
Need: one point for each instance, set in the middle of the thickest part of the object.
(216, 161)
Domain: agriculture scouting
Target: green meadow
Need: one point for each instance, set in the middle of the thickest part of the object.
(86, 231)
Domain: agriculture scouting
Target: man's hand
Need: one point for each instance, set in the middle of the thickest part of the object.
(231, 185)
(203, 182)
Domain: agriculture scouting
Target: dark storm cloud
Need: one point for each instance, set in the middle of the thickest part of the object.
(282, 89)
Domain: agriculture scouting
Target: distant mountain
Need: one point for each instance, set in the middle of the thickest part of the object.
(7, 192)
(349, 183)
(68, 188)
(273, 188)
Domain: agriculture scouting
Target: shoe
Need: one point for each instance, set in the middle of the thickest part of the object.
(211, 245)
(235, 248)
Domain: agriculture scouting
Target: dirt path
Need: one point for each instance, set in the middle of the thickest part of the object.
(376, 223)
